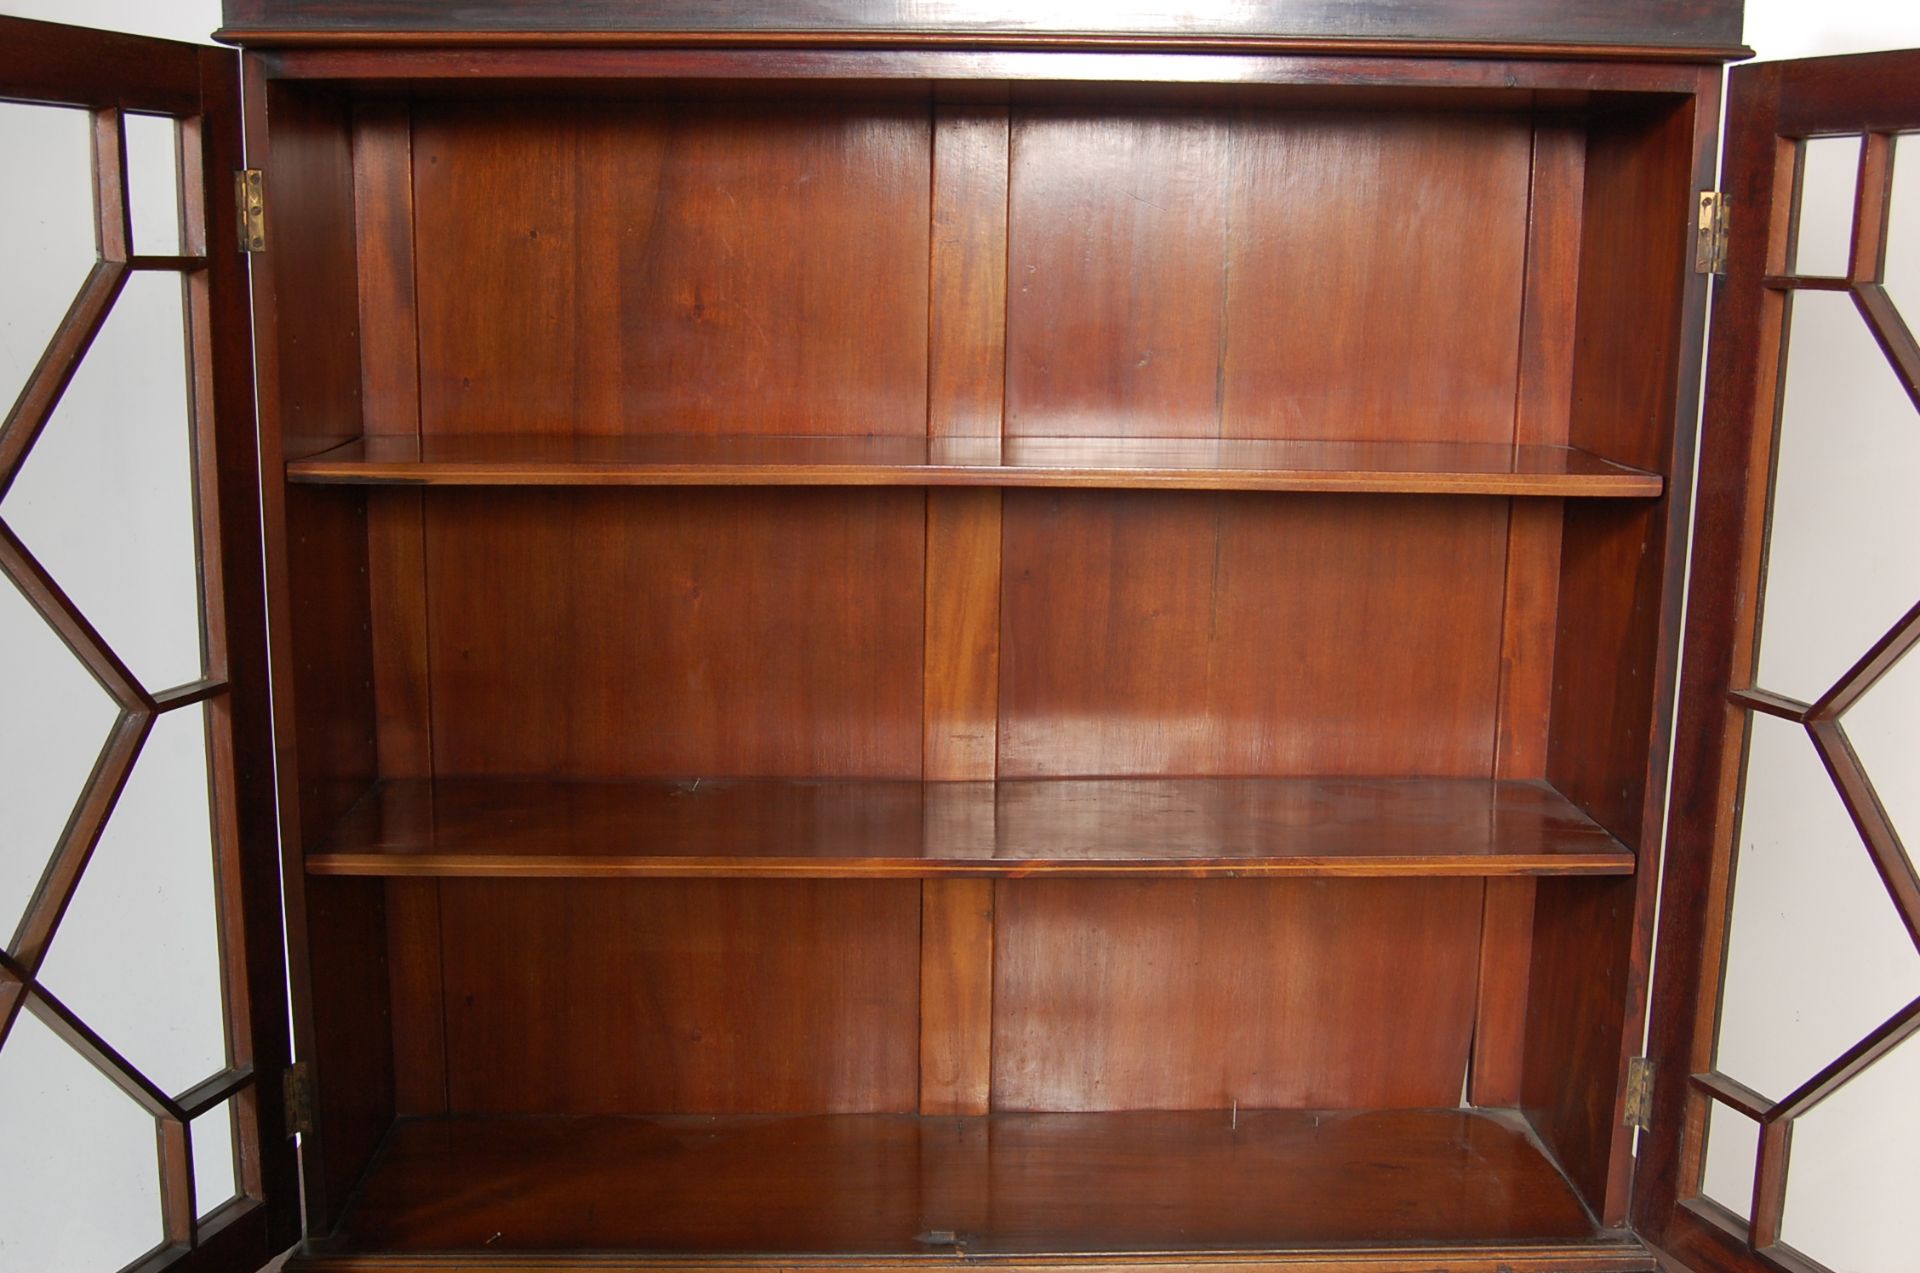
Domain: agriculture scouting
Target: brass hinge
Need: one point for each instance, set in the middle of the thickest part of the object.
(250, 197)
(1639, 1093)
(296, 1091)
(1710, 234)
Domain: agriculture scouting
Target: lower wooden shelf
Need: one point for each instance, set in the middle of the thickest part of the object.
(1182, 1187)
(865, 829)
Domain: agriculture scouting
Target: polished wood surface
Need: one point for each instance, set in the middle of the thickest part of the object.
(727, 633)
(640, 267)
(1004, 1186)
(1689, 24)
(1232, 634)
(694, 996)
(839, 829)
(1206, 994)
(532, 459)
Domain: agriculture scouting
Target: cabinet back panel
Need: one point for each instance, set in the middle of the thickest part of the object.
(694, 267)
(1266, 274)
(1250, 634)
(1304, 994)
(681, 996)
(676, 632)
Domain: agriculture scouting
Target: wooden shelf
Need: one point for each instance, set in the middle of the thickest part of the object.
(857, 829)
(1176, 463)
(1004, 1185)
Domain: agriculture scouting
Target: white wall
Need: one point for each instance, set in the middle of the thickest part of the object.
(1808, 916)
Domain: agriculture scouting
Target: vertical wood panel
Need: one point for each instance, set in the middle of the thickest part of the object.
(1376, 276)
(962, 671)
(419, 1023)
(397, 611)
(1215, 633)
(1177, 994)
(678, 633)
(956, 995)
(967, 319)
(702, 267)
(1116, 273)
(1542, 406)
(383, 220)
(681, 996)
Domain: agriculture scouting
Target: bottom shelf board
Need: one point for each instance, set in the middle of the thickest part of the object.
(1108, 1185)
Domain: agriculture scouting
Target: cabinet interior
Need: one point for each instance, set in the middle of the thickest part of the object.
(876, 673)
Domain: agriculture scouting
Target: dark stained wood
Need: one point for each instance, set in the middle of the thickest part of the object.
(70, 66)
(534, 459)
(397, 610)
(837, 829)
(696, 996)
(1204, 230)
(383, 241)
(1635, 395)
(415, 989)
(962, 659)
(1278, 988)
(1500, 1008)
(1100, 1185)
(956, 996)
(1692, 23)
(1246, 635)
(967, 319)
(639, 265)
(1736, 470)
(683, 633)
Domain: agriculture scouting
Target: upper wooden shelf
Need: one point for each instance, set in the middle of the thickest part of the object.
(1187, 827)
(1451, 468)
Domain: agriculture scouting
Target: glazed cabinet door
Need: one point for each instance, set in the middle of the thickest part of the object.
(143, 1021)
(1784, 1127)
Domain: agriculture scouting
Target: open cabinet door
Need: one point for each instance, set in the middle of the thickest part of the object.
(143, 1022)
(1785, 1131)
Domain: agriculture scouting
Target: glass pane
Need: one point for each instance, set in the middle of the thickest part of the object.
(1901, 265)
(52, 728)
(1884, 728)
(1855, 1170)
(53, 212)
(153, 183)
(1817, 956)
(1733, 1156)
(137, 956)
(1828, 178)
(1841, 564)
(213, 1158)
(105, 500)
(77, 1149)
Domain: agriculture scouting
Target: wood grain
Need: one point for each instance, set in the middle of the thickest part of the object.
(1171, 994)
(825, 829)
(1030, 1184)
(533, 459)
(956, 996)
(1247, 635)
(700, 996)
(643, 267)
(967, 319)
(962, 659)
(417, 993)
(687, 633)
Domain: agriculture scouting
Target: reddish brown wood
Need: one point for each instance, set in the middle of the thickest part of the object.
(962, 659)
(1277, 988)
(397, 610)
(956, 996)
(560, 312)
(698, 996)
(417, 992)
(73, 66)
(838, 829)
(686, 634)
(177, 1208)
(1096, 1185)
(1242, 634)
(966, 356)
(1500, 1009)
(383, 253)
(529, 459)
(1695, 23)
